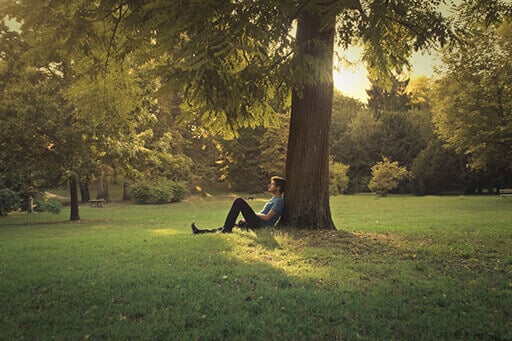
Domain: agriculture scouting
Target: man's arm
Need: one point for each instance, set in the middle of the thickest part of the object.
(268, 216)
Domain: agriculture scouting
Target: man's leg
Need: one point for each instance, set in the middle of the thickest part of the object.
(196, 230)
(241, 206)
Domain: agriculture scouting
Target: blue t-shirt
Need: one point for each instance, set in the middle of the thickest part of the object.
(276, 204)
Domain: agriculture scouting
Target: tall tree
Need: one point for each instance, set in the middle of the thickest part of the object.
(472, 103)
(307, 160)
(393, 98)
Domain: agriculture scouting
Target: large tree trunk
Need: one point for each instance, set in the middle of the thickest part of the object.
(307, 162)
(73, 192)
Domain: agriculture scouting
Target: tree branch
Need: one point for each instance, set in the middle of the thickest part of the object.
(118, 21)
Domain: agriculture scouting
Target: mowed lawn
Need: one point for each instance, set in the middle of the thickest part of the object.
(400, 267)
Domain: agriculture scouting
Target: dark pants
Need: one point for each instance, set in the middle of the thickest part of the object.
(241, 206)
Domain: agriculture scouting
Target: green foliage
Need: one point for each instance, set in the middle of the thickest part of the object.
(242, 157)
(352, 129)
(344, 112)
(407, 27)
(473, 100)
(256, 154)
(437, 169)
(274, 147)
(367, 138)
(418, 92)
(395, 98)
(338, 178)
(398, 138)
(9, 201)
(48, 204)
(158, 191)
(386, 176)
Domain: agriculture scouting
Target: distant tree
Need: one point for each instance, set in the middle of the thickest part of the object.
(344, 111)
(358, 149)
(244, 159)
(437, 169)
(398, 138)
(393, 97)
(472, 102)
(207, 154)
(418, 91)
(75, 115)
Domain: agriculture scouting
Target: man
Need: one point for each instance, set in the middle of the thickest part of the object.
(268, 216)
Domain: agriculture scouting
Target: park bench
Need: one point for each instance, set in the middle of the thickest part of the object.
(506, 192)
(97, 202)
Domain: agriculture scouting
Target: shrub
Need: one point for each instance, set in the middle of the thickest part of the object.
(338, 178)
(180, 190)
(48, 204)
(386, 176)
(9, 201)
(158, 191)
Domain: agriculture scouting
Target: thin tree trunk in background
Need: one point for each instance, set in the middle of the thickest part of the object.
(307, 162)
(84, 191)
(73, 192)
(126, 194)
(103, 192)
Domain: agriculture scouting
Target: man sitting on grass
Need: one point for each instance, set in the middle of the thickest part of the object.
(268, 216)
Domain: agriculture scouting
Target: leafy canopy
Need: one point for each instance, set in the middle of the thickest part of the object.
(473, 100)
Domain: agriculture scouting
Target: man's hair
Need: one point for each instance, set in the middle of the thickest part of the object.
(280, 182)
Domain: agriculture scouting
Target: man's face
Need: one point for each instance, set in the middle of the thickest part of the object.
(272, 187)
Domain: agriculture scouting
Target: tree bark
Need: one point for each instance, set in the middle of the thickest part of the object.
(73, 192)
(307, 162)
(84, 191)
(126, 192)
(103, 191)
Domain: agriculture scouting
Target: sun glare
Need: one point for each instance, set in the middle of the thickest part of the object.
(350, 75)
(352, 82)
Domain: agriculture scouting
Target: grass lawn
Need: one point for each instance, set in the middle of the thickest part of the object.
(399, 267)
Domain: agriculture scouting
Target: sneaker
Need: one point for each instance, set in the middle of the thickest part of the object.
(195, 230)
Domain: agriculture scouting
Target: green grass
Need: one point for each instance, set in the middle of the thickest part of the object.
(398, 268)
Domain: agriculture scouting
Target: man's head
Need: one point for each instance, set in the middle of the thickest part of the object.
(278, 182)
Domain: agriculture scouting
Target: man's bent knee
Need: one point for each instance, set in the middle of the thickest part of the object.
(239, 201)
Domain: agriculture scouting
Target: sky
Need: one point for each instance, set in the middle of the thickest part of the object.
(352, 80)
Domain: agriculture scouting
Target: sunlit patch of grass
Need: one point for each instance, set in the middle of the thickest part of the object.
(163, 232)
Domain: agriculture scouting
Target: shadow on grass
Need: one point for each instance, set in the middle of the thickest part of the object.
(331, 284)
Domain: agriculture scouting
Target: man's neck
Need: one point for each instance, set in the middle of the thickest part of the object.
(277, 194)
